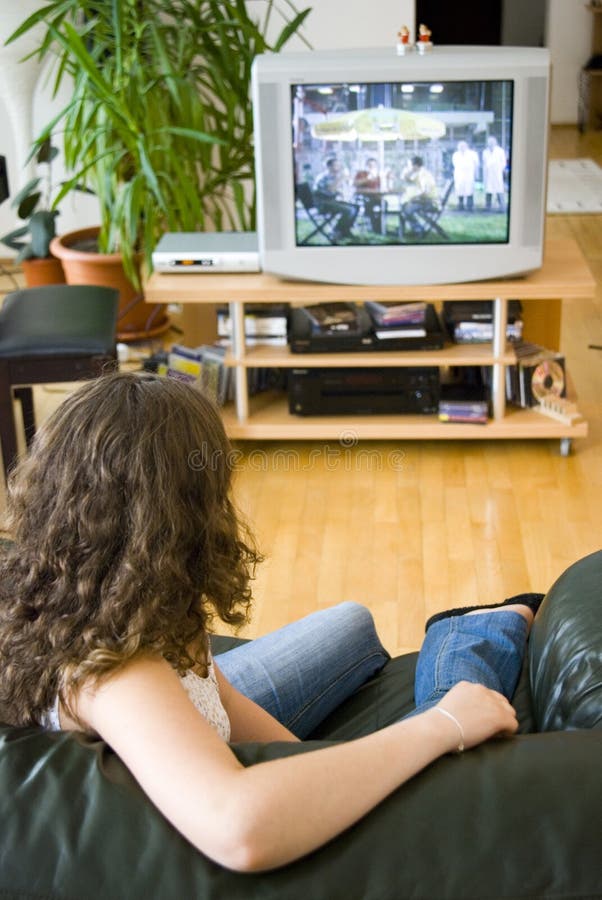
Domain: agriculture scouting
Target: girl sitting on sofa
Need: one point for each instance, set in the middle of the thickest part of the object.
(126, 547)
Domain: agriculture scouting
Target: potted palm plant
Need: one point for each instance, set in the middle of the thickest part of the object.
(159, 123)
(33, 204)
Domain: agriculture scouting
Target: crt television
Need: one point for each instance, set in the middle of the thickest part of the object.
(379, 168)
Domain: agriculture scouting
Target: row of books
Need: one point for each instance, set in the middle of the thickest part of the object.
(464, 321)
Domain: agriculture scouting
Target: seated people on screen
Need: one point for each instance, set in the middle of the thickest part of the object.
(307, 176)
(494, 165)
(419, 193)
(303, 134)
(367, 189)
(329, 193)
(466, 163)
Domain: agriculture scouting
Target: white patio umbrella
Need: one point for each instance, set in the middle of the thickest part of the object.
(379, 124)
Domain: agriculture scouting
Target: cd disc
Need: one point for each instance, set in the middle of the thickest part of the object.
(547, 378)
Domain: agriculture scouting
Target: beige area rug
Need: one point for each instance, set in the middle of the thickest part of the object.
(574, 186)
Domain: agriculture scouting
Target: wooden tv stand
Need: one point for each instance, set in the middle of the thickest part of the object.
(563, 277)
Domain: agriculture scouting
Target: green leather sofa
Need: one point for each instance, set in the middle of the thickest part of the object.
(514, 818)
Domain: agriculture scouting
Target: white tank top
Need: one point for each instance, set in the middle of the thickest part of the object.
(203, 692)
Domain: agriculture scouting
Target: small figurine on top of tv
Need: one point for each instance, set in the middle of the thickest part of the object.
(403, 41)
(424, 39)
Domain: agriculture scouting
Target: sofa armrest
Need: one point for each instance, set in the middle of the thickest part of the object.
(565, 650)
(514, 818)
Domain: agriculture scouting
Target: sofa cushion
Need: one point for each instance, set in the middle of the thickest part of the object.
(565, 650)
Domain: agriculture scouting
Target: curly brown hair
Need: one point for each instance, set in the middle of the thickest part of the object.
(125, 540)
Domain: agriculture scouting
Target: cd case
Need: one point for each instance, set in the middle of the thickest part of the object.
(538, 374)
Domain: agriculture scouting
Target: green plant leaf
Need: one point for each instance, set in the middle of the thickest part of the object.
(292, 28)
(28, 205)
(159, 123)
(40, 15)
(195, 135)
(10, 239)
(26, 191)
(42, 229)
(44, 154)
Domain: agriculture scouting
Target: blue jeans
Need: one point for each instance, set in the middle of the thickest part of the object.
(487, 648)
(304, 671)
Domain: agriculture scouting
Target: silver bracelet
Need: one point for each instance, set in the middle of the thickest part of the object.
(449, 715)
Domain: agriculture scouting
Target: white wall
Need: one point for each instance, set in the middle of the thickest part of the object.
(569, 27)
(332, 23)
(350, 23)
(26, 105)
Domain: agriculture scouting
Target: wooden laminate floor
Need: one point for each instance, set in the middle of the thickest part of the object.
(409, 528)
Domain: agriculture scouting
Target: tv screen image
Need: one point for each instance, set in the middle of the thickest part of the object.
(374, 168)
(402, 162)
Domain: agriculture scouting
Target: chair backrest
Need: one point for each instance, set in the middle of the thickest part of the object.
(446, 192)
(305, 195)
(59, 318)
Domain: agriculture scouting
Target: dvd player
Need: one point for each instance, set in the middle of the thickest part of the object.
(201, 251)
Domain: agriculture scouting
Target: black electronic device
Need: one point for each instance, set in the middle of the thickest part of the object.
(329, 328)
(4, 191)
(363, 391)
(477, 310)
(348, 327)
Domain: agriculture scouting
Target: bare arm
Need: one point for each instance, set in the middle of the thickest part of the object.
(248, 721)
(256, 818)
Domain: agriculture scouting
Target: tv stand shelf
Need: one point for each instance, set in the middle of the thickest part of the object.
(563, 277)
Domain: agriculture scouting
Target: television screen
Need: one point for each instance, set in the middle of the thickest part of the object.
(402, 162)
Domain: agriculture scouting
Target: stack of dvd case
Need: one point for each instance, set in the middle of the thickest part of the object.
(265, 324)
(465, 395)
(463, 403)
(203, 366)
(471, 321)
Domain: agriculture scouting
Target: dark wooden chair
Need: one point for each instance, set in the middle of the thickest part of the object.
(51, 334)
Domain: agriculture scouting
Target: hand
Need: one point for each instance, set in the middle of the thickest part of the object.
(482, 713)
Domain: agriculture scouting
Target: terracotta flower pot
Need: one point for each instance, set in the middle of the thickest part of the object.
(43, 271)
(83, 265)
